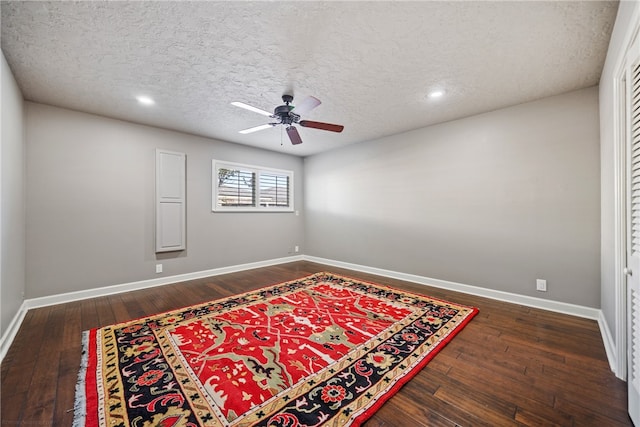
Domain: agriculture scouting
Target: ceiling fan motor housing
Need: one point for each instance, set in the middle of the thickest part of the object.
(284, 113)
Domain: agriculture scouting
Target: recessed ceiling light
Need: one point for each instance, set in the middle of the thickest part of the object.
(436, 94)
(145, 100)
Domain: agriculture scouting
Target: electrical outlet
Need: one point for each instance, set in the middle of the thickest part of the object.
(158, 268)
(296, 249)
(541, 285)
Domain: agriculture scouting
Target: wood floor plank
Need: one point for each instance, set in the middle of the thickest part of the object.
(120, 312)
(65, 389)
(104, 311)
(12, 408)
(469, 374)
(72, 324)
(512, 365)
(402, 411)
(89, 315)
(40, 401)
(536, 419)
(22, 360)
(592, 416)
(487, 406)
(446, 409)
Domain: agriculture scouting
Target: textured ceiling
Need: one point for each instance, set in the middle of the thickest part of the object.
(371, 63)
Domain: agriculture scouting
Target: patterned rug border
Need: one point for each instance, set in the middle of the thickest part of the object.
(87, 373)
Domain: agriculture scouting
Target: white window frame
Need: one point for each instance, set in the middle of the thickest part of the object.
(216, 165)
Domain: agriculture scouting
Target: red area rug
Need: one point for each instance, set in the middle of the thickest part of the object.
(324, 349)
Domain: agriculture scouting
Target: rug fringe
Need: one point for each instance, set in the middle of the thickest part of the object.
(79, 405)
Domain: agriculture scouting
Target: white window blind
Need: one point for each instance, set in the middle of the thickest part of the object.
(274, 190)
(236, 187)
(241, 188)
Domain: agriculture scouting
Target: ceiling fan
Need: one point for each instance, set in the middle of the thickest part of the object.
(285, 115)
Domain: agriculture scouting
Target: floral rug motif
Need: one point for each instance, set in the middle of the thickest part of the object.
(321, 350)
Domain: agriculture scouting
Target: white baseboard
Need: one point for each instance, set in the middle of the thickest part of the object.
(12, 330)
(10, 334)
(557, 306)
(150, 283)
(560, 307)
(609, 345)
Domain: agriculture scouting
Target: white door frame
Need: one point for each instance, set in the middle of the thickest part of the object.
(620, 148)
(620, 238)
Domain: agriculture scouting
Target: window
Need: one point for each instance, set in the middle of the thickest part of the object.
(242, 188)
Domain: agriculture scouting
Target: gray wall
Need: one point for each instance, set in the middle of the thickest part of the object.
(495, 200)
(12, 231)
(90, 204)
(615, 53)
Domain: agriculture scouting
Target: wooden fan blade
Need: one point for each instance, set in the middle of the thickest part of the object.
(307, 104)
(257, 128)
(251, 108)
(294, 136)
(320, 125)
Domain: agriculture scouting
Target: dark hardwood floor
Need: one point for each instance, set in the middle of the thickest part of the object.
(512, 365)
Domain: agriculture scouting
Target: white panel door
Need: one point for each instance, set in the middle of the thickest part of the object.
(171, 175)
(170, 201)
(631, 84)
(170, 230)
